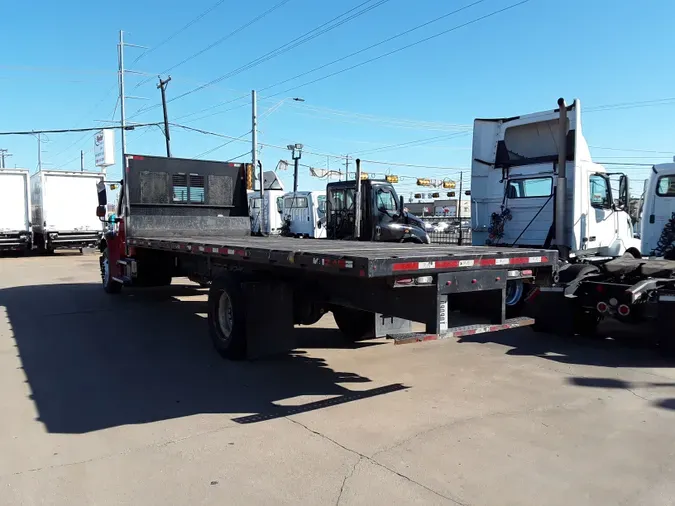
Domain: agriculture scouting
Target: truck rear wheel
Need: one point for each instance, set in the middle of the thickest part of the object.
(356, 325)
(109, 284)
(227, 318)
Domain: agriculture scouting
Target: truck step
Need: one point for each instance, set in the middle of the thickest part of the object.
(467, 330)
(122, 262)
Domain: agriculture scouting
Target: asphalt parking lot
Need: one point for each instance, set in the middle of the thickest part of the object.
(121, 400)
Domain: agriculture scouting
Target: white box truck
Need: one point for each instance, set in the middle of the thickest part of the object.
(15, 226)
(62, 209)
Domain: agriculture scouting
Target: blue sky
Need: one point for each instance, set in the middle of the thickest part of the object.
(60, 72)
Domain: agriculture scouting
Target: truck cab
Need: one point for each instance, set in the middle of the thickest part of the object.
(657, 221)
(514, 179)
(383, 215)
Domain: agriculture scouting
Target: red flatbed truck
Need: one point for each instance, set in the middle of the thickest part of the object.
(179, 217)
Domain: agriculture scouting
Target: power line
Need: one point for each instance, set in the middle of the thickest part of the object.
(631, 105)
(306, 37)
(407, 46)
(634, 150)
(175, 34)
(401, 34)
(216, 43)
(418, 142)
(243, 154)
(398, 35)
(223, 145)
(340, 157)
(224, 38)
(69, 130)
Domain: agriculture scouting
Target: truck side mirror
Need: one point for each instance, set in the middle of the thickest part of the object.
(102, 195)
(623, 191)
(400, 204)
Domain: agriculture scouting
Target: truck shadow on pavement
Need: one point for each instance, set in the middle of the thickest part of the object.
(614, 348)
(631, 386)
(94, 361)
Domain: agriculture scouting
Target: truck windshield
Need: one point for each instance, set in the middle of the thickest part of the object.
(385, 200)
(321, 207)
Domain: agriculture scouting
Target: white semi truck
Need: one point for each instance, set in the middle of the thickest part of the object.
(62, 203)
(15, 221)
(657, 214)
(534, 183)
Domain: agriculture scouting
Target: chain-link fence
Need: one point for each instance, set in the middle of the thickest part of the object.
(443, 230)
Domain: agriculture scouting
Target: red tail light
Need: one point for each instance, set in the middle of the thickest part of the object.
(624, 310)
(602, 307)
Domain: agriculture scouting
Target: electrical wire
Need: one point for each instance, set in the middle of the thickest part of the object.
(223, 38)
(221, 145)
(69, 130)
(634, 150)
(401, 34)
(175, 34)
(243, 154)
(306, 37)
(418, 142)
(407, 46)
(394, 37)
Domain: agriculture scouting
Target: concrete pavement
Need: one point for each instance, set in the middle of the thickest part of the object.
(121, 400)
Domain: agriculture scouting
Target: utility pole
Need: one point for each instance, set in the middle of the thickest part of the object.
(254, 157)
(81, 161)
(123, 118)
(162, 87)
(357, 202)
(39, 139)
(347, 168)
(3, 154)
(459, 209)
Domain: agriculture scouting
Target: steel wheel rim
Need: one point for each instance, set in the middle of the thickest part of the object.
(106, 271)
(225, 315)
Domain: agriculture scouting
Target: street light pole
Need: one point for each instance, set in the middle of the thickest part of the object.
(296, 153)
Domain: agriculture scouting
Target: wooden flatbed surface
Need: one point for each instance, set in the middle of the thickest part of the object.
(365, 259)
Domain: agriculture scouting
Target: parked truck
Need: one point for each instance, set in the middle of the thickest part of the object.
(382, 214)
(657, 212)
(261, 286)
(534, 185)
(304, 214)
(61, 210)
(15, 224)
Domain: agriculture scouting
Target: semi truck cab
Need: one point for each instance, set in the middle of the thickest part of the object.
(515, 178)
(383, 214)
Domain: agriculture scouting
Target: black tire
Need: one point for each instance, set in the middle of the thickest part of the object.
(585, 322)
(356, 325)
(227, 324)
(109, 284)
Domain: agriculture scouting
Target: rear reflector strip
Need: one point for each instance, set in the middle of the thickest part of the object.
(451, 264)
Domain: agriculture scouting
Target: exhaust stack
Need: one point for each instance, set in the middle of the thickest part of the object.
(561, 186)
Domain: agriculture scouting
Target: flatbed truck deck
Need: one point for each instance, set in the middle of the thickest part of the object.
(259, 287)
(359, 259)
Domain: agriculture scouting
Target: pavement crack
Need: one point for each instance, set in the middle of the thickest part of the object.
(344, 480)
(638, 395)
(127, 451)
(362, 456)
